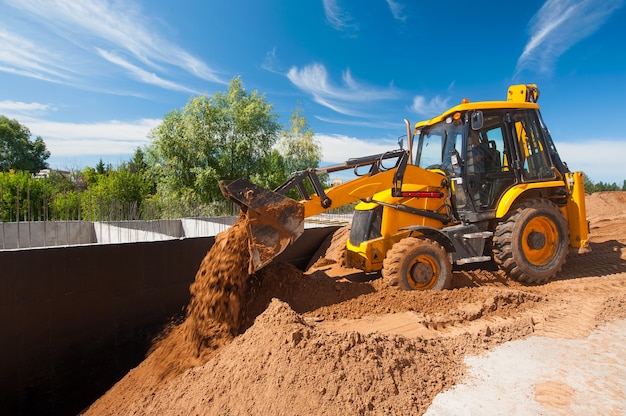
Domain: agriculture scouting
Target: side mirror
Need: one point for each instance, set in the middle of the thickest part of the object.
(477, 120)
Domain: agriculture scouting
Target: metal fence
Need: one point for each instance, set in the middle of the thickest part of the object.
(82, 218)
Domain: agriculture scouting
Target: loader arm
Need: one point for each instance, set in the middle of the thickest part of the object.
(340, 195)
(275, 221)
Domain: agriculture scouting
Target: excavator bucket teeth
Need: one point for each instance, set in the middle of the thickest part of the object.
(274, 221)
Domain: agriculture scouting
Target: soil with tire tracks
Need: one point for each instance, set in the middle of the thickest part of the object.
(332, 342)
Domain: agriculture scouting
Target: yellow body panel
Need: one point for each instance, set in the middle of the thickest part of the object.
(512, 194)
(576, 211)
(521, 93)
(367, 186)
(369, 255)
(479, 105)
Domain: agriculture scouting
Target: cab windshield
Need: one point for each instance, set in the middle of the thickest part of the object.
(436, 143)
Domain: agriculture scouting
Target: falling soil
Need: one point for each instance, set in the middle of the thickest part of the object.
(333, 341)
(214, 311)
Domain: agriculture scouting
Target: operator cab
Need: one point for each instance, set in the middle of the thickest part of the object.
(484, 152)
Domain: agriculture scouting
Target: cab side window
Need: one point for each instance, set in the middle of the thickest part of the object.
(533, 151)
(488, 170)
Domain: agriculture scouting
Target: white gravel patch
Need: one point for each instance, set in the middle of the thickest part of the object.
(544, 376)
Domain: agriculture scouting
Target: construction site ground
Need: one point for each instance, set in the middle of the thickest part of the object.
(333, 341)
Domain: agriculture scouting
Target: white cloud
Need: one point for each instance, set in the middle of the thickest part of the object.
(337, 17)
(397, 10)
(430, 108)
(558, 26)
(21, 107)
(338, 148)
(21, 56)
(143, 75)
(271, 63)
(101, 138)
(600, 159)
(79, 30)
(313, 80)
(368, 123)
(80, 140)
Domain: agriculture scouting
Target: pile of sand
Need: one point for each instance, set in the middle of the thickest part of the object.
(284, 365)
(605, 211)
(287, 342)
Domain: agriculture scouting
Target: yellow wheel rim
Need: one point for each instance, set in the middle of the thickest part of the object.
(423, 272)
(540, 241)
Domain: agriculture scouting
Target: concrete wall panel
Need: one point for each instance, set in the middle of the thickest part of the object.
(45, 233)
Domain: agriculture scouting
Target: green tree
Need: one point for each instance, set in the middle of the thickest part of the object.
(119, 194)
(588, 184)
(274, 171)
(18, 151)
(591, 187)
(299, 149)
(138, 162)
(298, 145)
(226, 136)
(100, 168)
(22, 196)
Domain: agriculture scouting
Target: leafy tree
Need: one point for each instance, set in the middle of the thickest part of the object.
(298, 145)
(22, 196)
(138, 162)
(274, 171)
(100, 168)
(299, 148)
(587, 183)
(591, 187)
(226, 136)
(18, 151)
(118, 194)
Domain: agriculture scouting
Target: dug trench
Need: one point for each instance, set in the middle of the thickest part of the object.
(329, 341)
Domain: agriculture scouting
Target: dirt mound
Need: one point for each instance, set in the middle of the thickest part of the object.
(607, 214)
(331, 341)
(605, 204)
(284, 365)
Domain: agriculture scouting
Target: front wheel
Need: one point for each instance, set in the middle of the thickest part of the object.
(418, 264)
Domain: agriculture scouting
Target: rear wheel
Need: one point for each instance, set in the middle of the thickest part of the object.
(418, 264)
(531, 243)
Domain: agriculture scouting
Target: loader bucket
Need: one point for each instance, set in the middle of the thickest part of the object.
(274, 221)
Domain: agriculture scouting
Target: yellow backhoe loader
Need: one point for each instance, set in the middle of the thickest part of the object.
(482, 181)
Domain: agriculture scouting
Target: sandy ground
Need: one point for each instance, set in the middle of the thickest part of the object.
(332, 342)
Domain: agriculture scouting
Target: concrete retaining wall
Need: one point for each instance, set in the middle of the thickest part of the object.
(76, 319)
(45, 234)
(17, 235)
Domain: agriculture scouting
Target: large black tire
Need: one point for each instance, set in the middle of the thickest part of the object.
(418, 264)
(531, 243)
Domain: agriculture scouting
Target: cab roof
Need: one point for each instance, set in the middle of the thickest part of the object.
(519, 96)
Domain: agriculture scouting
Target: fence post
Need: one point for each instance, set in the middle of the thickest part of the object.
(17, 213)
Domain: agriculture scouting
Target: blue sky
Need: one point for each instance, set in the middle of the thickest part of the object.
(93, 77)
